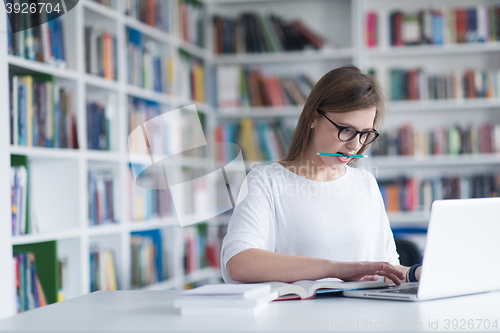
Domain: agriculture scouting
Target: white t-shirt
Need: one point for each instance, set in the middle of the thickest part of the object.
(342, 219)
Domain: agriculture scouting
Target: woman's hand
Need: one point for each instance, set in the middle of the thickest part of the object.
(367, 271)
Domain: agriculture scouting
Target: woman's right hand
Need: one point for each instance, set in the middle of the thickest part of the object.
(366, 271)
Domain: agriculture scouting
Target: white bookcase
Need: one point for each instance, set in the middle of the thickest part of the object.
(61, 174)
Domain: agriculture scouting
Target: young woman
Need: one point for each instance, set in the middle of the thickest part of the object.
(308, 216)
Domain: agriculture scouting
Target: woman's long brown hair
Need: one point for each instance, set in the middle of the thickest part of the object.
(343, 89)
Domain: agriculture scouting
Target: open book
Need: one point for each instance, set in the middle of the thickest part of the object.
(305, 289)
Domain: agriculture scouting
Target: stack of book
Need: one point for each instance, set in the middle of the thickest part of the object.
(150, 65)
(252, 298)
(147, 203)
(405, 194)
(147, 258)
(102, 270)
(253, 33)
(225, 299)
(101, 192)
(42, 113)
(38, 42)
(454, 140)
(242, 86)
(259, 139)
(191, 19)
(416, 84)
(155, 13)
(100, 53)
(29, 291)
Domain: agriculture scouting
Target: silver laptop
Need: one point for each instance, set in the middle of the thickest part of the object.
(461, 254)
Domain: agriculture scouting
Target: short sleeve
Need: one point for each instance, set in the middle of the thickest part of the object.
(252, 224)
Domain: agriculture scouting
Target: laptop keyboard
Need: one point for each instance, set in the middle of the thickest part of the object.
(412, 290)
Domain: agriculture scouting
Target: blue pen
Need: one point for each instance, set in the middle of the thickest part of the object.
(343, 155)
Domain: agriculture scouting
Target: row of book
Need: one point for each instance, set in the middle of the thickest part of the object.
(34, 41)
(259, 140)
(192, 78)
(147, 258)
(155, 13)
(240, 86)
(41, 113)
(202, 244)
(29, 290)
(415, 84)
(453, 140)
(254, 33)
(192, 22)
(150, 65)
(19, 196)
(101, 53)
(99, 122)
(101, 191)
(148, 203)
(414, 194)
(159, 132)
(103, 270)
(431, 26)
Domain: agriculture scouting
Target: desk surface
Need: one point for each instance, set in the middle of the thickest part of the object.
(152, 311)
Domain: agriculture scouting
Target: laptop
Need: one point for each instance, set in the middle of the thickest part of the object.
(461, 253)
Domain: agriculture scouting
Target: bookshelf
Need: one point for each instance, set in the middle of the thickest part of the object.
(59, 177)
(62, 174)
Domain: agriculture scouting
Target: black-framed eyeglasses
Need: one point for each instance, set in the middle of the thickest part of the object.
(347, 133)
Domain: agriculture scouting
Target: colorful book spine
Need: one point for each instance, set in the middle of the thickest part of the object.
(42, 113)
(454, 140)
(254, 33)
(150, 65)
(192, 72)
(99, 123)
(415, 194)
(103, 270)
(146, 203)
(239, 86)
(259, 140)
(101, 192)
(437, 26)
(100, 53)
(147, 254)
(43, 43)
(192, 21)
(155, 13)
(201, 243)
(416, 84)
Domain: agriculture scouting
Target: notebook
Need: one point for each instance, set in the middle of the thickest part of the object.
(462, 243)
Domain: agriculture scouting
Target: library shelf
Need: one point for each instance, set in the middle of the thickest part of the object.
(105, 229)
(151, 224)
(284, 57)
(102, 156)
(47, 236)
(432, 50)
(434, 160)
(101, 9)
(101, 82)
(259, 112)
(40, 67)
(444, 105)
(49, 153)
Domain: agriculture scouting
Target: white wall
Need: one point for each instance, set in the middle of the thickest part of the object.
(7, 305)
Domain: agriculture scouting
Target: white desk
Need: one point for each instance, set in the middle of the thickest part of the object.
(152, 311)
